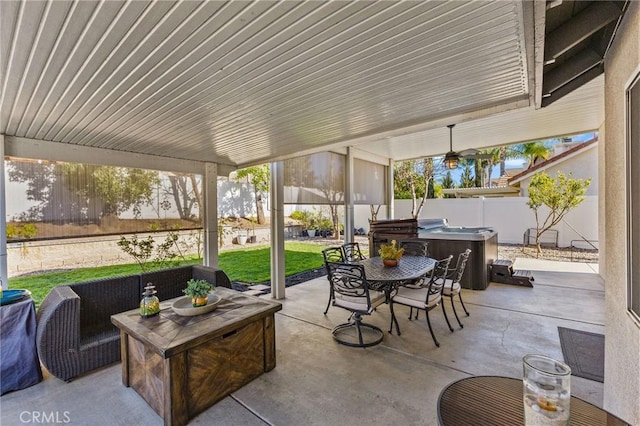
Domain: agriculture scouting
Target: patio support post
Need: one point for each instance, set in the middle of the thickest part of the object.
(390, 191)
(349, 213)
(4, 276)
(210, 215)
(276, 209)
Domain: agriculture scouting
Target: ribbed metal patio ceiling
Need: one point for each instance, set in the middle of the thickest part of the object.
(239, 82)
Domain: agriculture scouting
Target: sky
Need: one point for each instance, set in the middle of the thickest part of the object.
(513, 163)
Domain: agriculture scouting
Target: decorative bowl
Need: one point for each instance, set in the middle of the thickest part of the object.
(183, 306)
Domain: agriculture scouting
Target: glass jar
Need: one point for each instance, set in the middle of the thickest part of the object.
(150, 304)
(546, 391)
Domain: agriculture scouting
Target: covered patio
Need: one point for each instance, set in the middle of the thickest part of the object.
(318, 381)
(210, 87)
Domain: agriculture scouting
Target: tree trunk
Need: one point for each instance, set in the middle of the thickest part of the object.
(260, 209)
(503, 160)
(176, 195)
(374, 211)
(333, 208)
(196, 193)
(478, 173)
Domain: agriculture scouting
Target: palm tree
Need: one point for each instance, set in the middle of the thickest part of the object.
(492, 160)
(507, 152)
(533, 151)
(503, 159)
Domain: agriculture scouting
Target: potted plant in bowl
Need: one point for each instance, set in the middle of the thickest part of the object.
(198, 290)
(390, 253)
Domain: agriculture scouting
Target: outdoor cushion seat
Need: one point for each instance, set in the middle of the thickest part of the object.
(74, 332)
(170, 282)
(418, 298)
(360, 304)
(450, 288)
(425, 298)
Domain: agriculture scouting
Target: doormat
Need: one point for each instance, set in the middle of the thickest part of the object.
(583, 352)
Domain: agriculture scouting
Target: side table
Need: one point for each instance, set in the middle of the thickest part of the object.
(494, 400)
(19, 363)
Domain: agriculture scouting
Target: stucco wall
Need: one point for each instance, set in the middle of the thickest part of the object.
(622, 350)
(602, 202)
(581, 166)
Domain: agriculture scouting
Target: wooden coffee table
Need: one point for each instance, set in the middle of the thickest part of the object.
(182, 365)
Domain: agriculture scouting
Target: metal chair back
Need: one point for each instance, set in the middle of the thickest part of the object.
(350, 287)
(439, 276)
(352, 252)
(333, 254)
(457, 273)
(415, 248)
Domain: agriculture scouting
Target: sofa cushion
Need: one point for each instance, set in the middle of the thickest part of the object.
(102, 298)
(212, 275)
(169, 282)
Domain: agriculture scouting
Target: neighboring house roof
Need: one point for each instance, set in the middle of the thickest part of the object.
(485, 191)
(507, 185)
(504, 179)
(555, 160)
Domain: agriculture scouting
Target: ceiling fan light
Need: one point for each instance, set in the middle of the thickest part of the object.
(451, 160)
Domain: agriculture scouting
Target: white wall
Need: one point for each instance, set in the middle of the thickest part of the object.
(622, 343)
(581, 166)
(510, 216)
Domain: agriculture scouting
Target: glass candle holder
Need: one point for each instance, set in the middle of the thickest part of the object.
(150, 304)
(546, 391)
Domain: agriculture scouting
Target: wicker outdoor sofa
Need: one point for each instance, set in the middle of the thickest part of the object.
(75, 334)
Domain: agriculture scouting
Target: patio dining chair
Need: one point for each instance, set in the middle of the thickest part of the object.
(424, 298)
(350, 291)
(415, 248)
(452, 283)
(331, 254)
(352, 252)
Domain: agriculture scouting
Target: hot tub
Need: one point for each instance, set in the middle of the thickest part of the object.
(446, 240)
(458, 233)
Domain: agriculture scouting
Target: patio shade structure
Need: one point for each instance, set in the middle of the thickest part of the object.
(200, 82)
(208, 87)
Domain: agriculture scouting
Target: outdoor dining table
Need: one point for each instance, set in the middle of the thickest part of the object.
(388, 279)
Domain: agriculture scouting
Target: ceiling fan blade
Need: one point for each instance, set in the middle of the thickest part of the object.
(476, 156)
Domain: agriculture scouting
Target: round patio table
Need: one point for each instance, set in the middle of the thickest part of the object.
(388, 279)
(496, 401)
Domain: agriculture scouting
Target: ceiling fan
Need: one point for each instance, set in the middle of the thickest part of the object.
(451, 158)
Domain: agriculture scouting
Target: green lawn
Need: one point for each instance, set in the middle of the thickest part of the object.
(249, 265)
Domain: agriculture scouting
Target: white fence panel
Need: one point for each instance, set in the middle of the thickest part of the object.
(510, 216)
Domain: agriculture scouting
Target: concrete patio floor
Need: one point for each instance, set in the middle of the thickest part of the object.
(318, 381)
